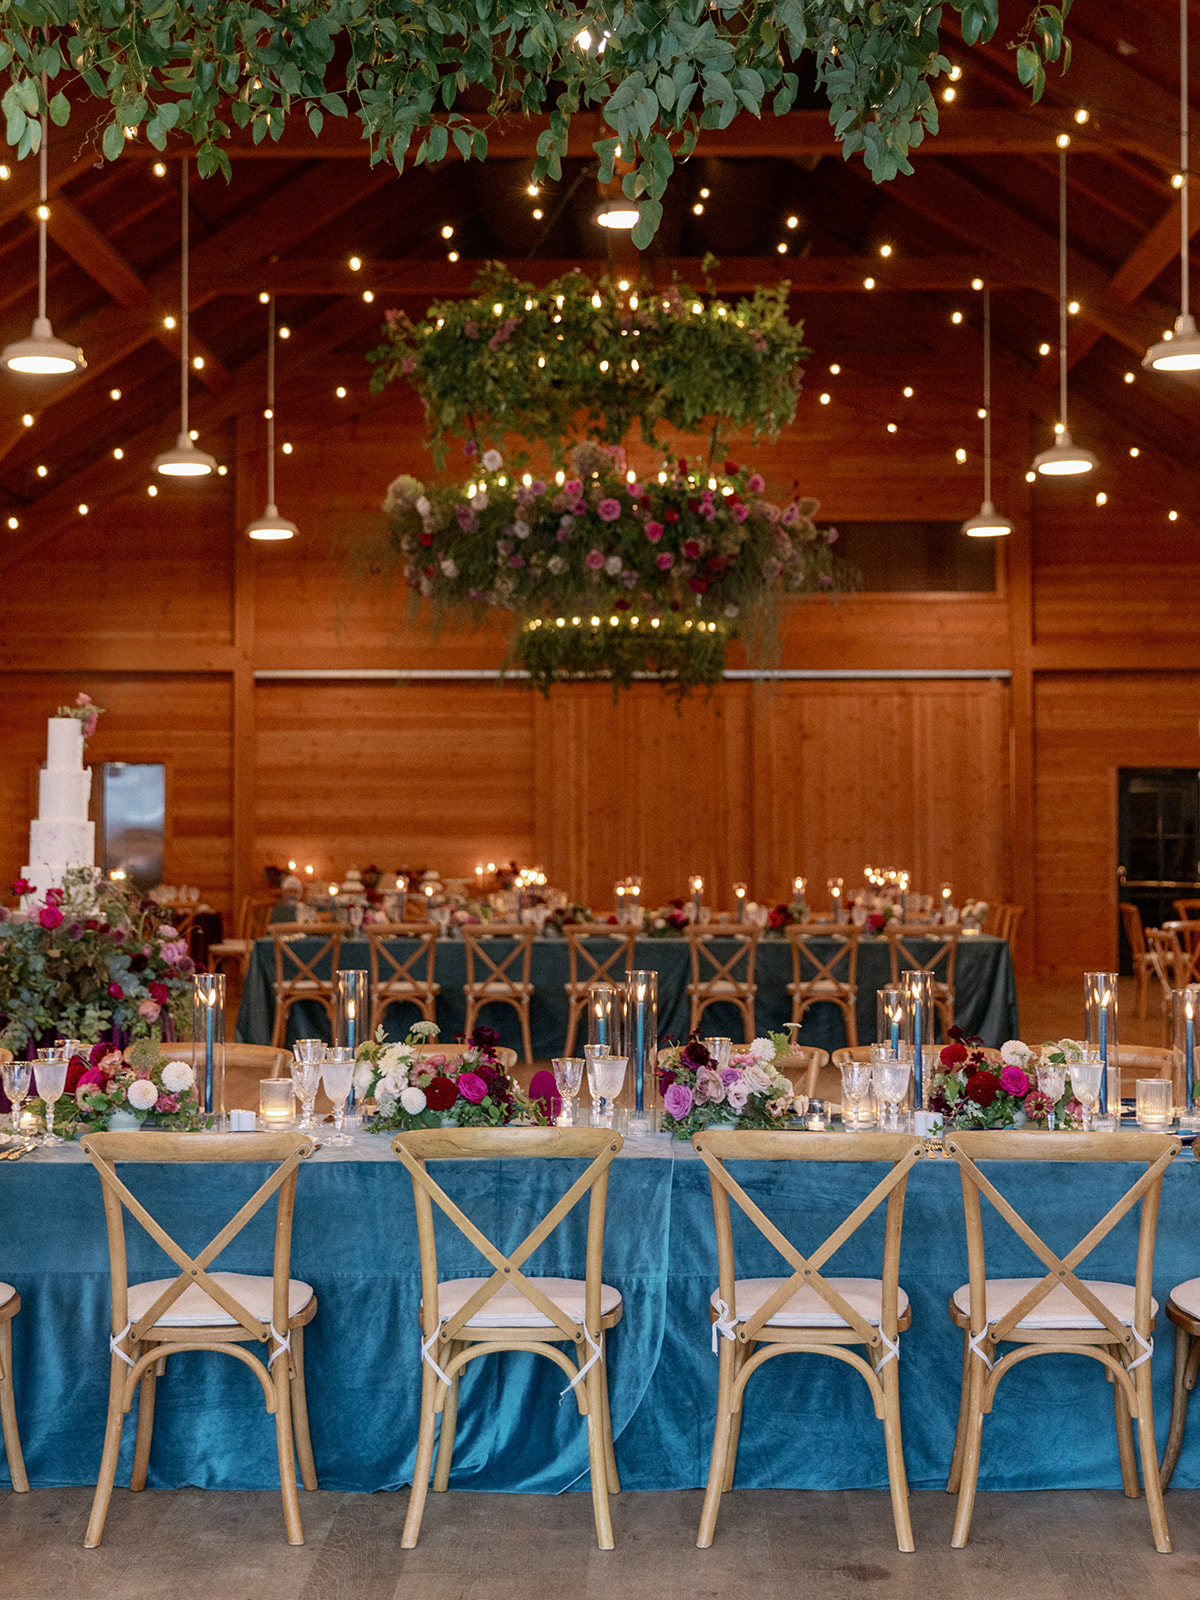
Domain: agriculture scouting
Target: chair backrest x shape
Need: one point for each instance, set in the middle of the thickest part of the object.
(1174, 965)
(1187, 910)
(106, 1150)
(294, 970)
(505, 969)
(1155, 1150)
(901, 1150)
(598, 1146)
(940, 963)
(1134, 931)
(837, 966)
(708, 969)
(389, 966)
(586, 946)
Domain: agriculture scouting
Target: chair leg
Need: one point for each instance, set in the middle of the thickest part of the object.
(1149, 1454)
(1125, 1448)
(525, 1035)
(596, 1456)
(145, 1424)
(304, 1451)
(445, 1448)
(897, 1477)
(610, 1454)
(955, 1476)
(574, 1011)
(969, 1471)
(722, 1440)
(108, 1458)
(8, 1412)
(424, 1462)
(469, 1020)
(1187, 1353)
(1143, 979)
(286, 1449)
(851, 1024)
(279, 1030)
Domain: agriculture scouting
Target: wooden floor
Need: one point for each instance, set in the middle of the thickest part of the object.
(194, 1544)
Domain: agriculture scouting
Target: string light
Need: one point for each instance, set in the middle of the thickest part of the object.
(12, 521)
(698, 209)
(1063, 140)
(118, 454)
(1102, 498)
(977, 283)
(168, 323)
(908, 391)
(948, 95)
(1134, 451)
(263, 297)
(160, 170)
(1129, 377)
(868, 283)
(824, 399)
(834, 368)
(114, 394)
(885, 250)
(956, 317)
(781, 247)
(27, 419)
(340, 391)
(1172, 516)
(447, 232)
(891, 427)
(152, 490)
(960, 455)
(1081, 116)
(1043, 349)
(369, 296)
(452, 255)
(793, 222)
(355, 264)
(42, 471)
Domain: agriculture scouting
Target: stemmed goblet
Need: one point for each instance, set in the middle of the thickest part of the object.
(606, 1074)
(307, 1058)
(1051, 1081)
(16, 1075)
(51, 1080)
(337, 1074)
(720, 1049)
(568, 1078)
(856, 1086)
(891, 1083)
(1085, 1086)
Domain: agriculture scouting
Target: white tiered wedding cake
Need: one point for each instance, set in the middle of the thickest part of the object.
(61, 836)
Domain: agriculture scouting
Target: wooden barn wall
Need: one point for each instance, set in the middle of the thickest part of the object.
(1007, 787)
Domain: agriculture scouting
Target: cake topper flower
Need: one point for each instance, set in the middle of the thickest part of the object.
(84, 710)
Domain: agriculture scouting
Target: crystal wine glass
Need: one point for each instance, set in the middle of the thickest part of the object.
(606, 1074)
(16, 1075)
(51, 1080)
(891, 1083)
(1051, 1081)
(568, 1078)
(337, 1074)
(1085, 1086)
(307, 1060)
(856, 1085)
(720, 1049)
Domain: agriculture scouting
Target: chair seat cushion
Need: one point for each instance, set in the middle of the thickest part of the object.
(806, 1309)
(1060, 1308)
(1186, 1297)
(402, 986)
(722, 986)
(823, 986)
(513, 990)
(508, 1307)
(7, 1292)
(196, 1309)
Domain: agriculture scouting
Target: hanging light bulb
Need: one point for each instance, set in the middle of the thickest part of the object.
(42, 353)
(987, 524)
(184, 460)
(1180, 353)
(1065, 458)
(271, 525)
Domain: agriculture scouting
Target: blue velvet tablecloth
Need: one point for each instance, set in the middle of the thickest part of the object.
(808, 1422)
(985, 993)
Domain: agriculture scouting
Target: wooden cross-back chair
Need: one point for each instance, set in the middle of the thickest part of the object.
(939, 964)
(755, 1319)
(403, 980)
(596, 952)
(715, 981)
(259, 1060)
(254, 915)
(498, 977)
(1143, 966)
(203, 1309)
(465, 1318)
(831, 977)
(808, 1067)
(1059, 1313)
(10, 1304)
(296, 976)
(1187, 910)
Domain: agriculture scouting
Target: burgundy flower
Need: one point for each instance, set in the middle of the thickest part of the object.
(731, 467)
(671, 515)
(691, 549)
(654, 532)
(160, 992)
(983, 1087)
(168, 1104)
(441, 1093)
(953, 1053)
(116, 991)
(1013, 1081)
(486, 1039)
(665, 561)
(22, 886)
(50, 916)
(697, 585)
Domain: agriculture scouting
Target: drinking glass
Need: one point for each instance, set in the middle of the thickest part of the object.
(69, 1048)
(51, 1080)
(16, 1075)
(337, 1073)
(856, 1086)
(306, 1078)
(568, 1078)
(1051, 1081)
(891, 1084)
(720, 1049)
(606, 1074)
(1154, 1106)
(354, 915)
(1085, 1086)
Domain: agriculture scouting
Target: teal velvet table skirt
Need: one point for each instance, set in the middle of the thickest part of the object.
(985, 993)
(808, 1421)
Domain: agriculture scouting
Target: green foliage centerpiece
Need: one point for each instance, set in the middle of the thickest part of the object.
(608, 573)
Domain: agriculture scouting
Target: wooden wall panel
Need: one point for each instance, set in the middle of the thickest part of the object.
(181, 720)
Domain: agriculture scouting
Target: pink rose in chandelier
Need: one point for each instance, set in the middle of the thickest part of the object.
(594, 560)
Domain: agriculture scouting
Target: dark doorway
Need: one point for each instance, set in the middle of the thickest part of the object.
(1158, 842)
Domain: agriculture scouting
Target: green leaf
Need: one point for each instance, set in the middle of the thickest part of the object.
(316, 120)
(60, 110)
(1028, 64)
(113, 141)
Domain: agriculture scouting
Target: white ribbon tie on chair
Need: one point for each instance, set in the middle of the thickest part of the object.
(722, 1323)
(597, 1349)
(891, 1352)
(427, 1345)
(975, 1342)
(1147, 1346)
(282, 1344)
(115, 1342)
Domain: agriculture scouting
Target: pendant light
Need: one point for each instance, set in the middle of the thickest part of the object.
(42, 353)
(271, 525)
(1065, 458)
(622, 215)
(184, 460)
(987, 524)
(1181, 352)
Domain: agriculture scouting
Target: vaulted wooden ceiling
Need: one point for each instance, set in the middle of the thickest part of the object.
(982, 203)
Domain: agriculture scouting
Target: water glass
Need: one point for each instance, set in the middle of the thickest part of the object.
(1154, 1103)
(1085, 1086)
(606, 1074)
(568, 1078)
(337, 1074)
(856, 1087)
(16, 1076)
(720, 1049)
(51, 1080)
(1052, 1081)
(306, 1079)
(891, 1085)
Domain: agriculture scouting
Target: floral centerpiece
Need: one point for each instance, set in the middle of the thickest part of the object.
(148, 1086)
(95, 961)
(428, 1090)
(972, 1091)
(749, 1093)
(782, 916)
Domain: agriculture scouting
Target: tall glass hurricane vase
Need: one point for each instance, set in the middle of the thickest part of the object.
(208, 1035)
(1185, 1014)
(351, 1015)
(916, 990)
(641, 1044)
(1100, 1038)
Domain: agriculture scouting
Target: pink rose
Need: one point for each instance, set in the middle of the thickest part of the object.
(677, 1101)
(116, 991)
(472, 1087)
(738, 512)
(573, 486)
(608, 510)
(737, 1094)
(167, 1103)
(594, 560)
(709, 1086)
(665, 561)
(150, 1009)
(654, 531)
(1013, 1081)
(755, 483)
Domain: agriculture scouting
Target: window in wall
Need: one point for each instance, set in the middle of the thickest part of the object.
(917, 556)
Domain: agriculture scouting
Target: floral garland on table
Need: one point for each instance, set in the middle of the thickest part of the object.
(147, 1085)
(749, 1093)
(969, 1091)
(424, 1091)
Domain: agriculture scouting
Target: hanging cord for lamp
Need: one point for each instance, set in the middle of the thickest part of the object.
(43, 191)
(183, 309)
(1185, 235)
(271, 401)
(987, 395)
(1062, 288)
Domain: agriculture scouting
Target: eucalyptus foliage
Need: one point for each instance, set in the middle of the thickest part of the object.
(421, 77)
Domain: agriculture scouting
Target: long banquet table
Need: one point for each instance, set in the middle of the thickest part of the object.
(808, 1422)
(985, 997)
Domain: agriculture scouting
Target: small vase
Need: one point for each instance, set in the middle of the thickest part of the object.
(123, 1122)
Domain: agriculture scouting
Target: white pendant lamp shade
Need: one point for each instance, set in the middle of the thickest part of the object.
(623, 215)
(987, 524)
(184, 460)
(271, 526)
(1064, 459)
(1181, 352)
(42, 353)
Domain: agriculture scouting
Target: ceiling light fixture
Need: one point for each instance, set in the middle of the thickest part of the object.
(1064, 459)
(1180, 353)
(184, 460)
(987, 523)
(271, 525)
(620, 214)
(42, 353)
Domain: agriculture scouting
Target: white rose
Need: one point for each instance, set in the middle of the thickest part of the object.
(423, 505)
(556, 565)
(177, 1076)
(479, 502)
(521, 529)
(493, 460)
(363, 1073)
(613, 566)
(393, 1083)
(762, 1050)
(141, 1094)
(413, 1100)
(1015, 1054)
(449, 568)
(756, 1078)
